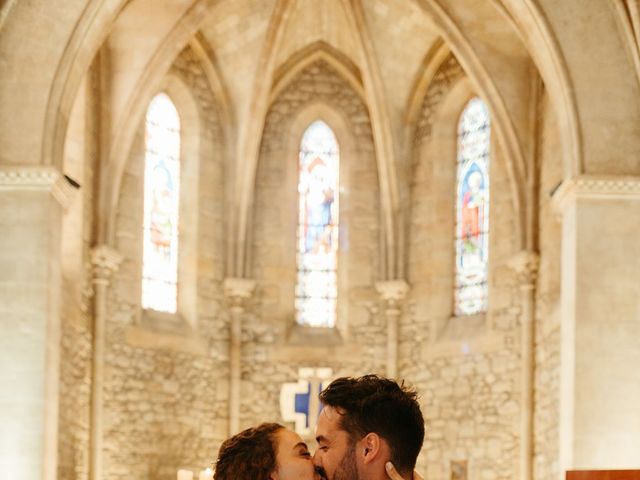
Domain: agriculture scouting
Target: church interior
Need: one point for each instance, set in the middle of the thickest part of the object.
(210, 208)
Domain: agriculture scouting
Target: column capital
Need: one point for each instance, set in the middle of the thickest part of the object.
(105, 262)
(525, 264)
(43, 178)
(392, 291)
(598, 187)
(238, 290)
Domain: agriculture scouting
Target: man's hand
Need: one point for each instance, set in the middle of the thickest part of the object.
(394, 475)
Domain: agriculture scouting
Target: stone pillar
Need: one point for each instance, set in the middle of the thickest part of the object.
(32, 201)
(105, 262)
(525, 264)
(237, 291)
(600, 329)
(393, 293)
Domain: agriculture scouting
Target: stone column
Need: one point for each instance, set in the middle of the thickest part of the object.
(237, 291)
(32, 201)
(393, 293)
(600, 326)
(525, 264)
(105, 262)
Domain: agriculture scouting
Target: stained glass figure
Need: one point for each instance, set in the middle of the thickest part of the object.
(161, 203)
(318, 169)
(472, 210)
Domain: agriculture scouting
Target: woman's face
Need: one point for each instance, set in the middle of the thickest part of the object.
(293, 458)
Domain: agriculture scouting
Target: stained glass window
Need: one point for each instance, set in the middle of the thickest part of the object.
(161, 202)
(472, 210)
(318, 169)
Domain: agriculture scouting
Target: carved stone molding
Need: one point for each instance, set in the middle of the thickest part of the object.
(37, 178)
(392, 290)
(105, 261)
(598, 187)
(525, 264)
(238, 290)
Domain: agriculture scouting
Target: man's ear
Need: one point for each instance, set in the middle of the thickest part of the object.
(370, 447)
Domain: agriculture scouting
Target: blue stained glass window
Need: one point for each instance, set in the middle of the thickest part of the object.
(317, 259)
(161, 206)
(472, 209)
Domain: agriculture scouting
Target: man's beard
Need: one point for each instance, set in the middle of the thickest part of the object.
(347, 469)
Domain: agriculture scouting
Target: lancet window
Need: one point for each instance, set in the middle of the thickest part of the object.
(318, 220)
(161, 206)
(472, 209)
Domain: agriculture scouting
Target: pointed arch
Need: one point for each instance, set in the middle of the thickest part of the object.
(313, 52)
(431, 63)
(505, 125)
(149, 82)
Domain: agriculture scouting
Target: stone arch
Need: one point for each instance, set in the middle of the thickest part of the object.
(422, 109)
(317, 92)
(126, 133)
(510, 124)
(316, 54)
(127, 209)
(93, 26)
(339, 123)
(319, 50)
(442, 73)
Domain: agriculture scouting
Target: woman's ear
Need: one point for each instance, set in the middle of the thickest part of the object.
(274, 475)
(370, 447)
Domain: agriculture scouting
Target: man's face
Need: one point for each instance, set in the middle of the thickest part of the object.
(335, 457)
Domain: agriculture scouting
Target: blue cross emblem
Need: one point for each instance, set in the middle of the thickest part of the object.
(299, 401)
(303, 403)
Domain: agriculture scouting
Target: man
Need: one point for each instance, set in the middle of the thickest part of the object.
(367, 422)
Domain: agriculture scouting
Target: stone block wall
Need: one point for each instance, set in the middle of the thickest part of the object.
(166, 375)
(467, 368)
(273, 347)
(166, 390)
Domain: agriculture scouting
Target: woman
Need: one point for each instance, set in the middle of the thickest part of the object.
(271, 452)
(267, 452)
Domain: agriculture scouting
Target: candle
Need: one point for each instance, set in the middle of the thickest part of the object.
(206, 474)
(185, 475)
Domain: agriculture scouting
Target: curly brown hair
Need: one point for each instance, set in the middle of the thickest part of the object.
(248, 455)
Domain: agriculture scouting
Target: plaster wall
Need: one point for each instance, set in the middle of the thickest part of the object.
(599, 327)
(30, 345)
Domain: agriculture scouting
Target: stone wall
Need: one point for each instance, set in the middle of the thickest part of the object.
(547, 382)
(274, 348)
(166, 375)
(76, 317)
(467, 368)
(166, 391)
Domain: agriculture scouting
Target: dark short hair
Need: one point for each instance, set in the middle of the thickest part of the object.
(248, 455)
(374, 404)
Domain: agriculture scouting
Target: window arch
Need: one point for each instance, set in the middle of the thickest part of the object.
(317, 241)
(472, 209)
(161, 206)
